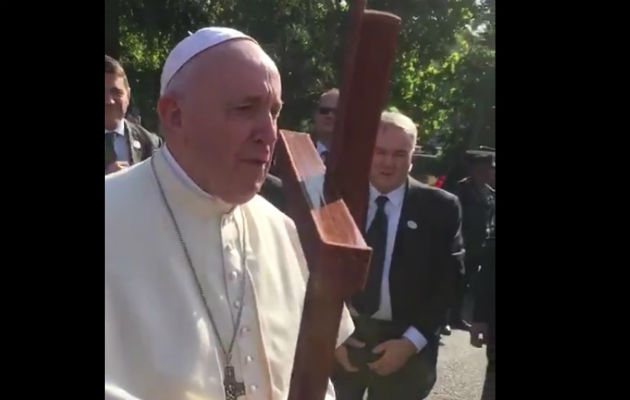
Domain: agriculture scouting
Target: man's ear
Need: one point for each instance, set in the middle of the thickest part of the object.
(170, 114)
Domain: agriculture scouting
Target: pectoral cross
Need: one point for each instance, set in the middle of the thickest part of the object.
(329, 204)
(233, 389)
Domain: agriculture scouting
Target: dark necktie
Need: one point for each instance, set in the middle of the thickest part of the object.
(367, 302)
(324, 155)
(110, 152)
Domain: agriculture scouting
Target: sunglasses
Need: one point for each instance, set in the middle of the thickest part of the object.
(326, 110)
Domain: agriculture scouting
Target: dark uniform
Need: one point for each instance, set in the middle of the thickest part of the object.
(484, 288)
(484, 304)
(477, 208)
(478, 202)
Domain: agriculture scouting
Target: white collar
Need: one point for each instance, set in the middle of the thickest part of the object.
(395, 196)
(120, 128)
(184, 178)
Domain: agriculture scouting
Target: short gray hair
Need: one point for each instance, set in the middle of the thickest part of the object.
(401, 121)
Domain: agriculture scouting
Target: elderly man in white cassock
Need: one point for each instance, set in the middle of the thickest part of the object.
(204, 279)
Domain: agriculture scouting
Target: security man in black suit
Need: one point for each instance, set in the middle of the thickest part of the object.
(483, 323)
(482, 330)
(414, 231)
(483, 326)
(476, 194)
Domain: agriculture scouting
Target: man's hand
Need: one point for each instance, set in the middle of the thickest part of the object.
(396, 352)
(478, 334)
(341, 353)
(116, 166)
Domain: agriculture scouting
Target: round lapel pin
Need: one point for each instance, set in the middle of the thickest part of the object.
(137, 145)
(411, 224)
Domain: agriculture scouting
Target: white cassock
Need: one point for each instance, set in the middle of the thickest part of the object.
(159, 342)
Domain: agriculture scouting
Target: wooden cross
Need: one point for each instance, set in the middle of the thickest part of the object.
(329, 204)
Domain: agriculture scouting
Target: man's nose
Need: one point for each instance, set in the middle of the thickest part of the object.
(268, 130)
(388, 160)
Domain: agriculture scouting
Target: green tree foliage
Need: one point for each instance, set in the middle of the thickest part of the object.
(443, 77)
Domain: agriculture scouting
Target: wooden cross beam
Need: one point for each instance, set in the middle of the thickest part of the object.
(329, 204)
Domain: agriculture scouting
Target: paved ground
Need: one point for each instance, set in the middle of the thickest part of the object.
(461, 369)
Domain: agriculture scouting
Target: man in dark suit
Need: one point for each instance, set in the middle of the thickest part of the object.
(483, 290)
(414, 231)
(126, 143)
(483, 326)
(324, 122)
(482, 330)
(476, 195)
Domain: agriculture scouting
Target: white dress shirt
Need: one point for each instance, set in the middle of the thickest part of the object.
(321, 149)
(120, 143)
(393, 208)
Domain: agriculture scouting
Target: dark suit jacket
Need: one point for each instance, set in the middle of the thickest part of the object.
(140, 142)
(484, 284)
(148, 142)
(477, 207)
(427, 261)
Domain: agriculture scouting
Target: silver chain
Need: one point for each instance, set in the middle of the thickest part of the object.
(227, 354)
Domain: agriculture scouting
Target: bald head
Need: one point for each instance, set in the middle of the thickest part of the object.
(220, 113)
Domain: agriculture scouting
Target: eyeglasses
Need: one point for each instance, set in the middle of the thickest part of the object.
(326, 110)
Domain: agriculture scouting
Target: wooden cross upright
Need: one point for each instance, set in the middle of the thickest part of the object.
(329, 204)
